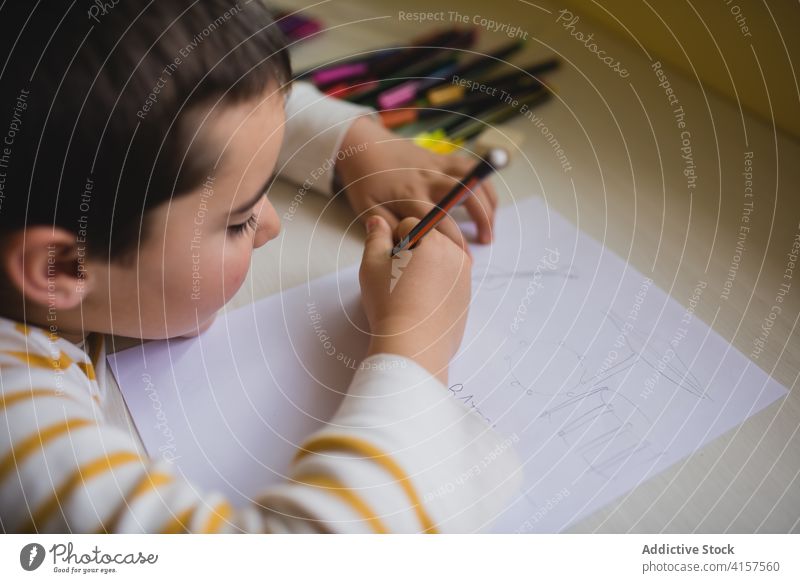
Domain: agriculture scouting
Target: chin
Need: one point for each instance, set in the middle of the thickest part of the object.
(197, 330)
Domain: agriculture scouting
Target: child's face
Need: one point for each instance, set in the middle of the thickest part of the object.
(196, 251)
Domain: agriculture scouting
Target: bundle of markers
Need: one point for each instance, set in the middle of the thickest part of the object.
(436, 89)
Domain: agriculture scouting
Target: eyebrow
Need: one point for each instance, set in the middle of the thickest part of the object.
(252, 202)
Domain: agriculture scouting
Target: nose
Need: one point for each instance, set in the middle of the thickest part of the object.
(269, 224)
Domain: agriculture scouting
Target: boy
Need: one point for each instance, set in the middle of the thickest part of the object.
(121, 122)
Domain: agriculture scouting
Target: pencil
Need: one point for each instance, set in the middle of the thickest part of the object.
(496, 159)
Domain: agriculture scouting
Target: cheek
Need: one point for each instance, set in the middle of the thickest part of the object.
(201, 285)
(236, 265)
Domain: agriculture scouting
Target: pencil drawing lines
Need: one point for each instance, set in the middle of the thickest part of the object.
(600, 425)
(587, 407)
(603, 375)
(495, 277)
(673, 370)
(578, 369)
(469, 400)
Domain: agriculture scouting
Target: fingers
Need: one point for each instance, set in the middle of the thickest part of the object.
(488, 186)
(482, 203)
(416, 209)
(448, 227)
(379, 241)
(457, 166)
(479, 207)
(404, 227)
(381, 211)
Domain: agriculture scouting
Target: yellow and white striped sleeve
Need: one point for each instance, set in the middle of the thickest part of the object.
(401, 455)
(397, 438)
(63, 468)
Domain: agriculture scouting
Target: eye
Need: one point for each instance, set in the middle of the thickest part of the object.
(241, 228)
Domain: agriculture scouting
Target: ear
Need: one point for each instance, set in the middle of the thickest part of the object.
(48, 266)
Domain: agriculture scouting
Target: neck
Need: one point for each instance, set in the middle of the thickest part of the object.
(58, 325)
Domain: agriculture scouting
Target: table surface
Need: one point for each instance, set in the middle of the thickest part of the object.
(627, 189)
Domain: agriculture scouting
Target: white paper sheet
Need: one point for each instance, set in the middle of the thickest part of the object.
(599, 378)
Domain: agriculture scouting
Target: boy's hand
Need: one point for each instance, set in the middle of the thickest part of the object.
(416, 302)
(388, 175)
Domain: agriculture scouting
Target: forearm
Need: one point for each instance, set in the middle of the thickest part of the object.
(315, 132)
(430, 357)
(400, 440)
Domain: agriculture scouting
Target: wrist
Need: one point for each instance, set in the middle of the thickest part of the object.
(357, 140)
(361, 131)
(434, 363)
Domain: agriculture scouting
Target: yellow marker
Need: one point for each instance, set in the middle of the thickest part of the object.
(445, 95)
(437, 141)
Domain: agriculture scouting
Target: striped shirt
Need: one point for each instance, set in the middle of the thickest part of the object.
(400, 455)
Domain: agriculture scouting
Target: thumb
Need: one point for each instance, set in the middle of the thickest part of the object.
(405, 227)
(379, 237)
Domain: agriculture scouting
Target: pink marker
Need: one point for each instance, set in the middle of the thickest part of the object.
(399, 95)
(408, 91)
(305, 30)
(334, 74)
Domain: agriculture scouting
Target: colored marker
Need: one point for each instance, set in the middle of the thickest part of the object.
(365, 58)
(368, 95)
(451, 93)
(407, 92)
(296, 26)
(385, 60)
(455, 133)
(393, 118)
(453, 38)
